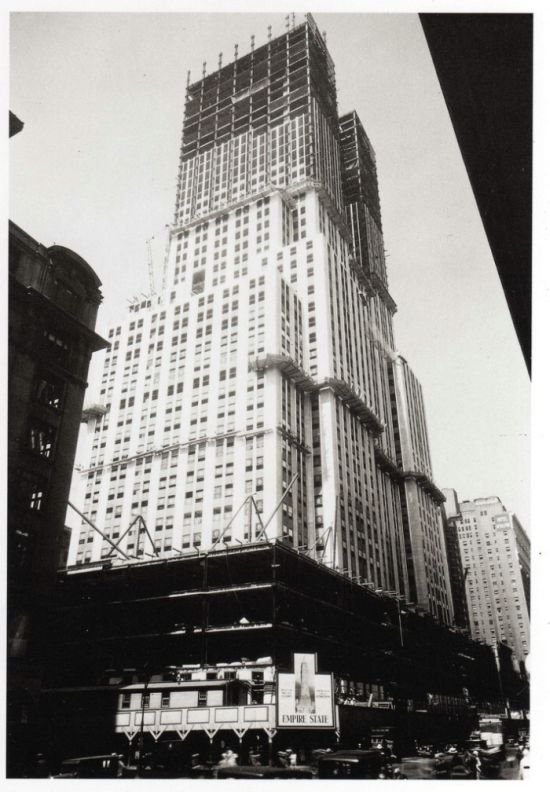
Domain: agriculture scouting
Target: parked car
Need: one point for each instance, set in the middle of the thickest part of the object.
(447, 763)
(355, 764)
(418, 767)
(259, 771)
(491, 760)
(101, 766)
(251, 771)
(203, 770)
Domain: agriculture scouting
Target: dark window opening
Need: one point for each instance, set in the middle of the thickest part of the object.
(50, 391)
(203, 694)
(42, 439)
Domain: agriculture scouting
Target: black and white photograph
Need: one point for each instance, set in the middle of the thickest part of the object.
(268, 420)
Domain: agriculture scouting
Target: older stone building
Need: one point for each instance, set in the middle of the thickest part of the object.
(54, 296)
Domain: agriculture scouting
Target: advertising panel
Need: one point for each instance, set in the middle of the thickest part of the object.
(305, 699)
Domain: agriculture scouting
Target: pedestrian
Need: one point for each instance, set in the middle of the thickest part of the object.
(253, 758)
(524, 765)
(477, 765)
(223, 758)
(229, 758)
(282, 756)
(469, 762)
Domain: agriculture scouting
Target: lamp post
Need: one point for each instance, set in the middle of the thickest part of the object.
(398, 597)
(147, 676)
(146, 681)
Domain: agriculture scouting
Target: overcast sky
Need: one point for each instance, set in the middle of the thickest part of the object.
(101, 97)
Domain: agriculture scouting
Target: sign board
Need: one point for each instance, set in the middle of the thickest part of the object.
(305, 699)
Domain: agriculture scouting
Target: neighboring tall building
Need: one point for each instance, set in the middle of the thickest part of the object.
(495, 550)
(427, 564)
(54, 296)
(457, 574)
(265, 368)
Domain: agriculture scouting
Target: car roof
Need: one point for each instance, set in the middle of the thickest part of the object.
(260, 771)
(88, 758)
(354, 755)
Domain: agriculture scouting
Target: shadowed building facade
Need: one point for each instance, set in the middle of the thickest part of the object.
(54, 296)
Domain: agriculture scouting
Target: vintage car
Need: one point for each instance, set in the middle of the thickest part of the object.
(251, 771)
(355, 764)
(101, 766)
(259, 771)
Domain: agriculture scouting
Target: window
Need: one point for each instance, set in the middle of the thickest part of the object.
(41, 439)
(165, 700)
(125, 701)
(145, 700)
(56, 344)
(32, 490)
(50, 390)
(202, 700)
(198, 282)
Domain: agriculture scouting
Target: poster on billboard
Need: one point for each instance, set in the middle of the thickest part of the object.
(305, 699)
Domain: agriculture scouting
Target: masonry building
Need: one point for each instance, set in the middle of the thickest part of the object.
(54, 296)
(260, 395)
(495, 552)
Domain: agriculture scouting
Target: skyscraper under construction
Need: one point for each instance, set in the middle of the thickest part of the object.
(259, 394)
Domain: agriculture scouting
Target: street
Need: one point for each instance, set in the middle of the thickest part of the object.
(415, 767)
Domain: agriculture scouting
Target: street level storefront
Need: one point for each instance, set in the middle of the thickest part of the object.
(242, 705)
(191, 714)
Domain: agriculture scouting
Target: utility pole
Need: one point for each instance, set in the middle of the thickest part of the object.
(146, 681)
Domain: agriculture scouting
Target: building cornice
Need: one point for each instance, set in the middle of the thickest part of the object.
(426, 483)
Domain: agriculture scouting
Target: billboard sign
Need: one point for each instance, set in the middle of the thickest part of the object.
(305, 699)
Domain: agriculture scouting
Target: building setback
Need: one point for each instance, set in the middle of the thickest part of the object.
(264, 374)
(494, 551)
(54, 296)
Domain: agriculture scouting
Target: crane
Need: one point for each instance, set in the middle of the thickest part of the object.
(150, 266)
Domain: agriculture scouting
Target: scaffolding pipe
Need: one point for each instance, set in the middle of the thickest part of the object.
(165, 261)
(104, 536)
(320, 539)
(127, 531)
(277, 507)
(155, 551)
(327, 532)
(258, 515)
(229, 524)
(334, 534)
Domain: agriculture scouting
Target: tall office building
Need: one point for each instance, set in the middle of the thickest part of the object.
(262, 375)
(495, 551)
(426, 553)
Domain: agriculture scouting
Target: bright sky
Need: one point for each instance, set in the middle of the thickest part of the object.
(94, 169)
